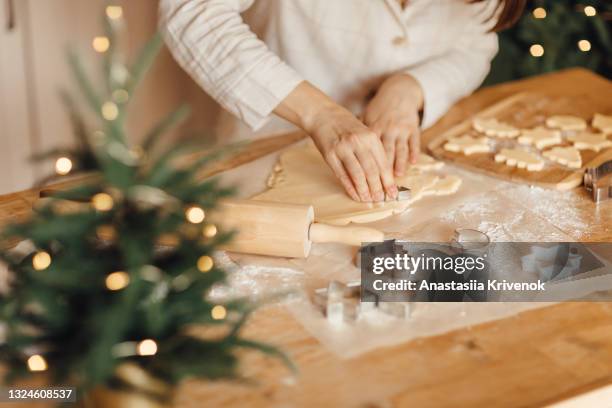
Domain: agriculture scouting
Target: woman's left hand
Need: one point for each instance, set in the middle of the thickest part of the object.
(393, 114)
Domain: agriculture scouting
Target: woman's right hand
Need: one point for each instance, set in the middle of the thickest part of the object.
(355, 153)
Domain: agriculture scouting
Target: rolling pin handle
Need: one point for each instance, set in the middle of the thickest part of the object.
(351, 235)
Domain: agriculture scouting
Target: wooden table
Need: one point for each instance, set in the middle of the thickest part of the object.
(532, 359)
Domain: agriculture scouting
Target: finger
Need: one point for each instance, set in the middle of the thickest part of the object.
(415, 145)
(385, 170)
(401, 156)
(356, 174)
(372, 174)
(389, 145)
(338, 169)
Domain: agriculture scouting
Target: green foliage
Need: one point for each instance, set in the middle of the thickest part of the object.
(559, 32)
(66, 311)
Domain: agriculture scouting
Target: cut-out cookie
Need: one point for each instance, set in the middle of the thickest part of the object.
(567, 156)
(426, 163)
(417, 183)
(603, 123)
(566, 122)
(493, 127)
(468, 145)
(540, 137)
(590, 141)
(520, 158)
(444, 186)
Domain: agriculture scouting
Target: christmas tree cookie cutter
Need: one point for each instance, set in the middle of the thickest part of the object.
(598, 181)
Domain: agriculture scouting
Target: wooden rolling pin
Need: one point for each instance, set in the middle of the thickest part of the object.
(268, 228)
(279, 229)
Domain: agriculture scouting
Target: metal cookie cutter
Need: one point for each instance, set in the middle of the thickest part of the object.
(598, 181)
(466, 239)
(403, 194)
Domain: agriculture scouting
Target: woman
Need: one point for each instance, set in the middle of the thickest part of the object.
(316, 63)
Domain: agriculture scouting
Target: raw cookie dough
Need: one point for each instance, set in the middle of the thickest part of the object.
(520, 158)
(603, 123)
(444, 186)
(540, 137)
(590, 141)
(468, 145)
(566, 122)
(493, 127)
(307, 179)
(567, 156)
(426, 163)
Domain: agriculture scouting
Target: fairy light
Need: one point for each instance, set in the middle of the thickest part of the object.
(147, 347)
(37, 363)
(205, 263)
(584, 45)
(102, 202)
(100, 44)
(590, 11)
(114, 12)
(63, 165)
(536, 50)
(218, 312)
(117, 280)
(41, 260)
(539, 13)
(195, 215)
(209, 231)
(106, 233)
(110, 111)
(121, 95)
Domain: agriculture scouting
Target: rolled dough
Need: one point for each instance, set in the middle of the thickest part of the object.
(590, 141)
(567, 156)
(307, 179)
(540, 137)
(520, 158)
(468, 145)
(493, 127)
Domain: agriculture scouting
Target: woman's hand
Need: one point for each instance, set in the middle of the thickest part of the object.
(393, 114)
(354, 153)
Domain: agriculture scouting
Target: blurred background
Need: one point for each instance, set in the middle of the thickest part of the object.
(34, 35)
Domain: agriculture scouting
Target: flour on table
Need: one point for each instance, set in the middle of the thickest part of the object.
(520, 158)
(540, 137)
(567, 156)
(468, 145)
(603, 123)
(566, 122)
(493, 127)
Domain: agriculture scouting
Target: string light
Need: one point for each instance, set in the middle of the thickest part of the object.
(536, 50)
(37, 363)
(41, 260)
(584, 45)
(102, 202)
(114, 12)
(121, 95)
(205, 263)
(218, 312)
(195, 215)
(590, 11)
(110, 111)
(147, 347)
(117, 280)
(63, 165)
(209, 231)
(106, 233)
(100, 44)
(539, 13)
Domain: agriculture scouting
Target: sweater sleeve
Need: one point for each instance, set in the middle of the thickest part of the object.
(209, 39)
